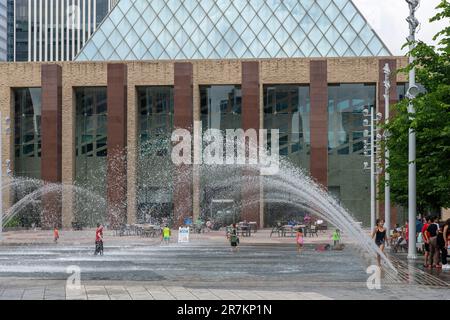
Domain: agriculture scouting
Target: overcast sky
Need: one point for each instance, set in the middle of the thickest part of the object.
(387, 18)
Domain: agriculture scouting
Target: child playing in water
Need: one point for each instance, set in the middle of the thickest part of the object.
(336, 237)
(56, 234)
(299, 240)
(166, 235)
(234, 239)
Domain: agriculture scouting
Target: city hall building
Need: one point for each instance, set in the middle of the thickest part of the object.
(101, 122)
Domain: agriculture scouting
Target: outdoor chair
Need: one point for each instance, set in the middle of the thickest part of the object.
(313, 231)
(277, 229)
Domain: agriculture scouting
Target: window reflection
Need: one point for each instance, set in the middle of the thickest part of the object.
(287, 108)
(154, 179)
(91, 150)
(346, 178)
(221, 107)
(27, 150)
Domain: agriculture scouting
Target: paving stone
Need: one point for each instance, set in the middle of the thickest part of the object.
(225, 294)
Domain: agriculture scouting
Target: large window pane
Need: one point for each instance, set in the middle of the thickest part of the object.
(287, 108)
(91, 151)
(346, 178)
(220, 107)
(27, 150)
(154, 166)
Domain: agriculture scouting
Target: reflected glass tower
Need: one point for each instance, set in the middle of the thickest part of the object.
(52, 30)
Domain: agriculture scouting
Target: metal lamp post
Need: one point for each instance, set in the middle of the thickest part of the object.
(387, 188)
(411, 94)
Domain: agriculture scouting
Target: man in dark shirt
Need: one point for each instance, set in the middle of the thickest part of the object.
(434, 250)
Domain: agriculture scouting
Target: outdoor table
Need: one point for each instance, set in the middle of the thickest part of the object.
(292, 229)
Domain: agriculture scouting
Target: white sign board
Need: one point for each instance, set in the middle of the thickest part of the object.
(183, 235)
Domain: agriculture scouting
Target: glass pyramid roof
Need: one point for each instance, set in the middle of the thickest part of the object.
(222, 29)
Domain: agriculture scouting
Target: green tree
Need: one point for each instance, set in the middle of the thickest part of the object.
(431, 123)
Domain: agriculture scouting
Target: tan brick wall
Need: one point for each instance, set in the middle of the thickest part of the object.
(13, 76)
(217, 71)
(340, 70)
(74, 75)
(284, 71)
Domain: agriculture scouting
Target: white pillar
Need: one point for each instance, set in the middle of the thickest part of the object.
(35, 30)
(29, 31)
(45, 31)
(95, 15)
(67, 32)
(41, 27)
(57, 31)
(51, 30)
(84, 21)
(14, 32)
(89, 18)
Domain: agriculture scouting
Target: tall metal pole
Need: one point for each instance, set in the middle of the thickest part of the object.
(372, 168)
(412, 201)
(387, 188)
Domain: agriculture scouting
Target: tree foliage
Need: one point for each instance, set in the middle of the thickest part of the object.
(431, 123)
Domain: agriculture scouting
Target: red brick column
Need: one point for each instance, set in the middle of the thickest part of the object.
(250, 120)
(51, 133)
(319, 121)
(183, 119)
(393, 99)
(117, 143)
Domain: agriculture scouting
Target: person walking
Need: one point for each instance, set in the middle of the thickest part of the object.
(299, 239)
(99, 240)
(433, 258)
(426, 240)
(56, 234)
(379, 235)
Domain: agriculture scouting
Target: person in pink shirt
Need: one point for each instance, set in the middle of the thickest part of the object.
(299, 240)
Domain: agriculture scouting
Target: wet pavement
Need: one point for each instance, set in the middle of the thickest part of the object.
(206, 268)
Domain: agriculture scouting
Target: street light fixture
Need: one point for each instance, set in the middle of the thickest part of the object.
(387, 187)
(412, 93)
(370, 150)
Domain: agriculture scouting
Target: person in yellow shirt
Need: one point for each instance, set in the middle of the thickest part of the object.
(166, 234)
(336, 237)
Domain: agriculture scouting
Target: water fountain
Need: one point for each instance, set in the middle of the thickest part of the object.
(305, 194)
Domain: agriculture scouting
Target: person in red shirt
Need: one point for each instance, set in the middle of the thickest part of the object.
(406, 232)
(56, 234)
(99, 240)
(426, 240)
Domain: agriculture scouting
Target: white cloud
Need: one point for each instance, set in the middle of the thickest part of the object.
(387, 18)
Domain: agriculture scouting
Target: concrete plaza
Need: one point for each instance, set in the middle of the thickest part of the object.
(265, 268)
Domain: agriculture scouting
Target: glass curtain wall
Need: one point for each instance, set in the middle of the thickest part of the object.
(221, 108)
(27, 152)
(347, 180)
(287, 108)
(91, 155)
(154, 165)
